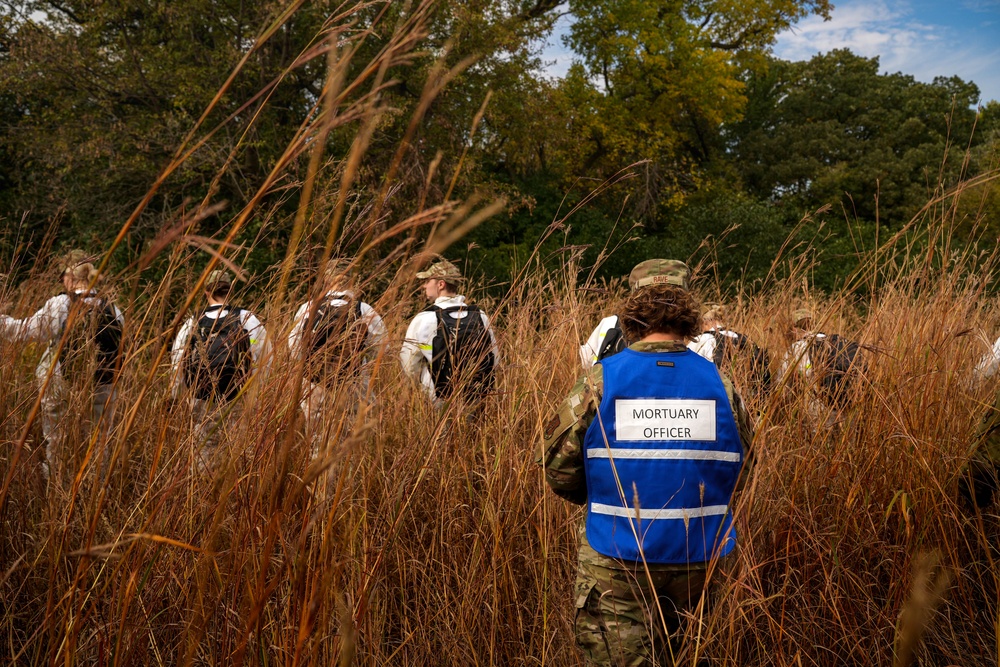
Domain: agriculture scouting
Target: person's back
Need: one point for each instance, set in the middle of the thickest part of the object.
(214, 356)
(461, 352)
(652, 441)
(729, 349)
(823, 367)
(92, 333)
(450, 347)
(217, 359)
(335, 336)
(82, 330)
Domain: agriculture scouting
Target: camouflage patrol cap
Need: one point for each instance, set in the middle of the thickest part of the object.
(78, 264)
(337, 267)
(659, 272)
(442, 270)
(219, 278)
(801, 315)
(73, 259)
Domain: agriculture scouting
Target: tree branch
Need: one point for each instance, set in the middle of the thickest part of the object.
(60, 7)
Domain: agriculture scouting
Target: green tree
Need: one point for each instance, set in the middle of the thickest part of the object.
(665, 78)
(834, 131)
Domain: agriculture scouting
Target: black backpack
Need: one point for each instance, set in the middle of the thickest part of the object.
(338, 338)
(614, 342)
(836, 362)
(92, 340)
(217, 360)
(727, 346)
(461, 353)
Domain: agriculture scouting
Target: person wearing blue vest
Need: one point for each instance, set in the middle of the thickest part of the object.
(653, 441)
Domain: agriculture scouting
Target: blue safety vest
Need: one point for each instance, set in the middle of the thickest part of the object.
(664, 439)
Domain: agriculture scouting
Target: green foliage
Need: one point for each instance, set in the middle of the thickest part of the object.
(834, 131)
(726, 149)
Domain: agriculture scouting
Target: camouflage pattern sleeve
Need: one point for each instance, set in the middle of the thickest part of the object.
(562, 444)
(745, 427)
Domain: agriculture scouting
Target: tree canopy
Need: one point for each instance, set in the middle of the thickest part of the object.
(715, 136)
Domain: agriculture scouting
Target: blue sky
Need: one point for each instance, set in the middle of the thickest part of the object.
(923, 38)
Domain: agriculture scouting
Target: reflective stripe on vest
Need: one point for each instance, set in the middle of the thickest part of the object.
(662, 459)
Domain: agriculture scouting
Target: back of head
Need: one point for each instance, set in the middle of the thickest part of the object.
(219, 284)
(661, 308)
(446, 271)
(713, 316)
(802, 319)
(338, 272)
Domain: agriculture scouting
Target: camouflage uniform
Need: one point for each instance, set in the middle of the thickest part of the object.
(617, 622)
(979, 481)
(210, 416)
(47, 326)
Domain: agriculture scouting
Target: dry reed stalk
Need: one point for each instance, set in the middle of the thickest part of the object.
(419, 539)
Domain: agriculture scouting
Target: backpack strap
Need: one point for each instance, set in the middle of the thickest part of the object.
(614, 341)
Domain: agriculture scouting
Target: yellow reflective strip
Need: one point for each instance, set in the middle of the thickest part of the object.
(426, 347)
(253, 341)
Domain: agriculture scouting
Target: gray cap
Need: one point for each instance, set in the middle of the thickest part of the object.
(659, 272)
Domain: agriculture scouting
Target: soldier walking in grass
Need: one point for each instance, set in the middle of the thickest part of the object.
(822, 367)
(213, 358)
(83, 331)
(336, 337)
(652, 441)
(725, 348)
(608, 338)
(989, 364)
(450, 347)
(980, 478)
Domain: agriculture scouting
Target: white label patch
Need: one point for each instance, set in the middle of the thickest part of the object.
(664, 419)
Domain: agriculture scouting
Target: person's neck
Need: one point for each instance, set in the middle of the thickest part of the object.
(446, 295)
(662, 338)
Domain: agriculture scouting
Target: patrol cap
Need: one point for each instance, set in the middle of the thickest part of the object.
(659, 272)
(713, 311)
(219, 278)
(78, 264)
(73, 259)
(338, 267)
(442, 270)
(801, 315)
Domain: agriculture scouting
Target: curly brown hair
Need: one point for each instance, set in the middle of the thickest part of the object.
(661, 309)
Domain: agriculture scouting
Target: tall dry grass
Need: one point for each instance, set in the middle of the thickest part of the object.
(420, 538)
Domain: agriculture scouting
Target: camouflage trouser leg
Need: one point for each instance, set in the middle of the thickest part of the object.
(329, 413)
(103, 415)
(206, 418)
(617, 620)
(54, 407)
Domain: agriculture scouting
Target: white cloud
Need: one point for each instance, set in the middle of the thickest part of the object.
(887, 29)
(873, 29)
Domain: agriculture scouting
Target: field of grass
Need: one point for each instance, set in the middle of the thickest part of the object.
(419, 538)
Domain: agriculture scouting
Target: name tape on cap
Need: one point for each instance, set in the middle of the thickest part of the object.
(660, 419)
